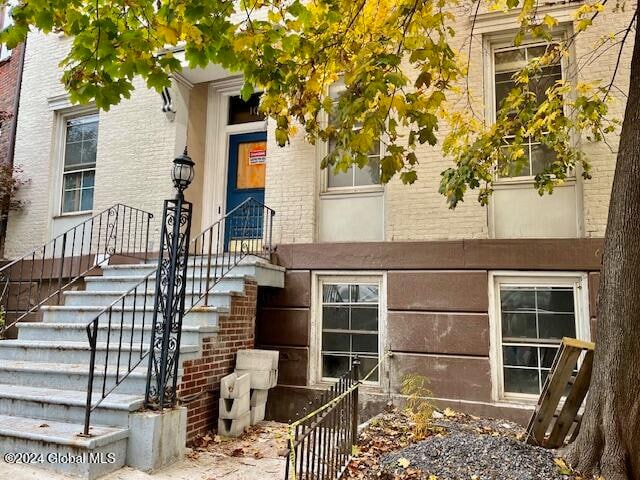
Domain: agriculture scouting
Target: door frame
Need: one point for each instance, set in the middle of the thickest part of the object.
(216, 165)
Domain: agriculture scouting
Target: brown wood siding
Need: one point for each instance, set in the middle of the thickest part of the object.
(283, 326)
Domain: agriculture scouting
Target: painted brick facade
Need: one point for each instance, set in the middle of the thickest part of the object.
(201, 379)
(9, 73)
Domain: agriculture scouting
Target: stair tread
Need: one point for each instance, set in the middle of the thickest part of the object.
(59, 432)
(68, 368)
(62, 345)
(115, 326)
(127, 308)
(131, 278)
(115, 401)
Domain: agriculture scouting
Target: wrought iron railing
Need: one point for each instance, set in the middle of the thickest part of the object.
(245, 230)
(323, 439)
(213, 253)
(37, 277)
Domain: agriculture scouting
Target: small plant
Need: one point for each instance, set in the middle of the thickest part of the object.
(11, 180)
(418, 408)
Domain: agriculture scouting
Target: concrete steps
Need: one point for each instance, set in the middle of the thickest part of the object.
(44, 372)
(57, 446)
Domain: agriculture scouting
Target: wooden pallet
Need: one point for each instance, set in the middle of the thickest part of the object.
(549, 427)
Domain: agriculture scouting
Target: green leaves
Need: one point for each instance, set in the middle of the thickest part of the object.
(359, 75)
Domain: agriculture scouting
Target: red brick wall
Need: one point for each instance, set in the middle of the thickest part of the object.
(9, 72)
(202, 376)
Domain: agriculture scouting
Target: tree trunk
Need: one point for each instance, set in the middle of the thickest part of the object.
(609, 441)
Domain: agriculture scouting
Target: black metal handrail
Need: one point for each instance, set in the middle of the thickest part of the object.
(249, 218)
(323, 439)
(44, 273)
(245, 230)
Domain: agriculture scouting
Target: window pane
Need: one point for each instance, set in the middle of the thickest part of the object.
(365, 343)
(72, 154)
(541, 83)
(87, 199)
(519, 325)
(335, 293)
(89, 130)
(335, 342)
(72, 181)
(340, 179)
(541, 157)
(516, 299)
(555, 299)
(88, 178)
(364, 293)
(89, 152)
(364, 318)
(553, 325)
(547, 355)
(335, 317)
(503, 88)
(70, 201)
(244, 112)
(368, 175)
(334, 366)
(510, 60)
(520, 356)
(518, 380)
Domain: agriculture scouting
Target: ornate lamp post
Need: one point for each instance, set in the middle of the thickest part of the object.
(171, 281)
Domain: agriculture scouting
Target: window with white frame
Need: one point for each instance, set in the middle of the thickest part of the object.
(533, 314)
(5, 21)
(354, 177)
(349, 325)
(79, 163)
(507, 61)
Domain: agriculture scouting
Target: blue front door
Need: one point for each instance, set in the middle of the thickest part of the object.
(245, 179)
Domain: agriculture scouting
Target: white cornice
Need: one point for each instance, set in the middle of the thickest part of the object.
(487, 22)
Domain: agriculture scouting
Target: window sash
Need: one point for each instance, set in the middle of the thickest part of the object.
(350, 304)
(530, 169)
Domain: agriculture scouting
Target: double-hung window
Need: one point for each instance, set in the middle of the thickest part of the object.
(79, 170)
(350, 326)
(507, 61)
(533, 314)
(354, 178)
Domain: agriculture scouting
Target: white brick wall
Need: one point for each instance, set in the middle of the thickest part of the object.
(136, 144)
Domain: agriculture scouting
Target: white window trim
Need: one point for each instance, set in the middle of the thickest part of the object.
(62, 116)
(315, 344)
(494, 42)
(579, 280)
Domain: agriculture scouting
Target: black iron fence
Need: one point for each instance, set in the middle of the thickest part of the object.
(245, 230)
(43, 274)
(120, 335)
(321, 443)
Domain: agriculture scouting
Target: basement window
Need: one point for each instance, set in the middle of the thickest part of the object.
(350, 326)
(533, 315)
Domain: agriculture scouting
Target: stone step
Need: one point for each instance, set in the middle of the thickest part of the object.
(95, 299)
(66, 405)
(199, 316)
(231, 283)
(54, 445)
(72, 376)
(79, 352)
(131, 334)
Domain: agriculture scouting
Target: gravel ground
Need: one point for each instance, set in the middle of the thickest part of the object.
(463, 455)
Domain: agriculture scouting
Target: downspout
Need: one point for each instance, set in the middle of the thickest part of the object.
(12, 145)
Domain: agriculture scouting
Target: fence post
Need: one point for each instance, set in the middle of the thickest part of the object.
(354, 399)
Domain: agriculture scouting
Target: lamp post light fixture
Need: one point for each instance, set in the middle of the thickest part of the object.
(164, 349)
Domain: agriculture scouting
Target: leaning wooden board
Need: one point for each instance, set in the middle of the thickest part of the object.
(561, 376)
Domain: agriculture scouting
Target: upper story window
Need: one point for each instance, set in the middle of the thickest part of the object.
(533, 314)
(354, 177)
(5, 21)
(80, 146)
(506, 62)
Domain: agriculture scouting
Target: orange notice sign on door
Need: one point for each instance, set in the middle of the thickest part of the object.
(251, 165)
